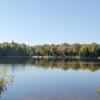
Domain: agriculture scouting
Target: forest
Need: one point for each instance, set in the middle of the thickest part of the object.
(50, 50)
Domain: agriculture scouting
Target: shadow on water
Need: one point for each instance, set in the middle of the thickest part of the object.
(65, 64)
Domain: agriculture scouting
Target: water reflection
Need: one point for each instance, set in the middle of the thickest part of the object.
(64, 64)
(52, 83)
(5, 79)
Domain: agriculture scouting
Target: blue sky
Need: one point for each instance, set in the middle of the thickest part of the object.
(50, 21)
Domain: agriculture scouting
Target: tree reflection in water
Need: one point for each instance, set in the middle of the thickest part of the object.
(5, 79)
(75, 64)
(65, 64)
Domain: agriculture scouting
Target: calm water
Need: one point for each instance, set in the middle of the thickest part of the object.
(43, 79)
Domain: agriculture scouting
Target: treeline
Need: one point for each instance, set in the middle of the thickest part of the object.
(62, 50)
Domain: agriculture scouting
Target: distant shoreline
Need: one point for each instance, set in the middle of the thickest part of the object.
(69, 51)
(52, 57)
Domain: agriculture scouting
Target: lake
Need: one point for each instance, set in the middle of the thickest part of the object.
(49, 79)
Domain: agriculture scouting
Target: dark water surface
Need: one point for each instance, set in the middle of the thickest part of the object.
(49, 79)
